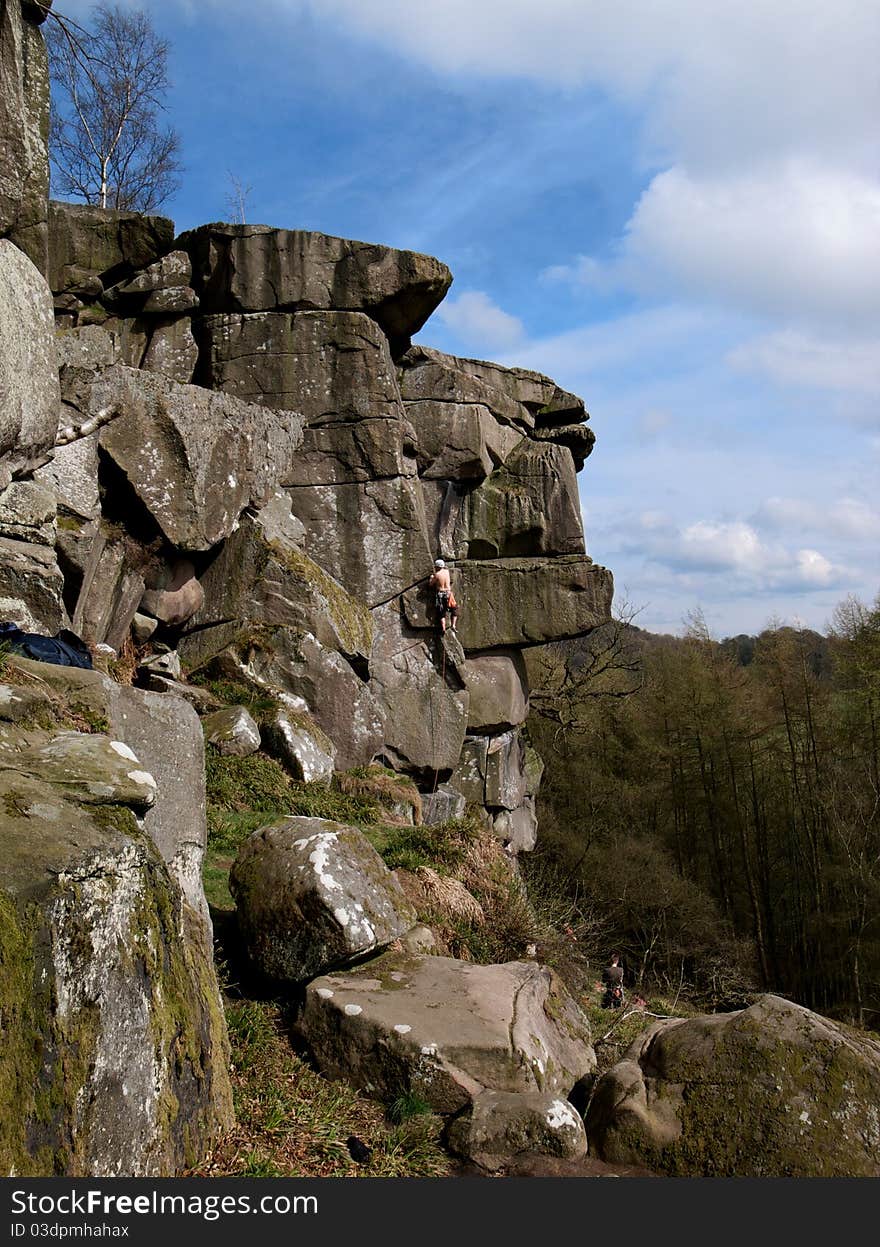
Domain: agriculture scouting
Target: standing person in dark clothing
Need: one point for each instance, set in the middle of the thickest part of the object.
(612, 981)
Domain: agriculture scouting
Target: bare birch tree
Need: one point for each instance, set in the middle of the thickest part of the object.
(106, 138)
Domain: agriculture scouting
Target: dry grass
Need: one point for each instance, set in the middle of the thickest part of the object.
(383, 785)
(291, 1122)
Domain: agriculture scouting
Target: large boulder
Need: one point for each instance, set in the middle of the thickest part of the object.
(446, 1029)
(312, 894)
(521, 602)
(195, 459)
(164, 733)
(498, 691)
(459, 441)
(253, 268)
(29, 391)
(501, 1125)
(430, 376)
(232, 731)
(24, 129)
(91, 248)
(768, 1091)
(114, 1057)
(529, 506)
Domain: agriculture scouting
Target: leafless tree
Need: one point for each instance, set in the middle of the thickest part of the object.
(236, 199)
(106, 139)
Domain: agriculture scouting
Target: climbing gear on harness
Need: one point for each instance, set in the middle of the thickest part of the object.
(446, 604)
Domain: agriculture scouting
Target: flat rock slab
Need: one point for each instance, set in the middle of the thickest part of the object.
(446, 1029)
(254, 268)
(769, 1091)
(521, 602)
(232, 731)
(312, 894)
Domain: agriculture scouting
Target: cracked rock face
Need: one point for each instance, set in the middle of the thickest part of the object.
(769, 1091)
(312, 894)
(447, 1030)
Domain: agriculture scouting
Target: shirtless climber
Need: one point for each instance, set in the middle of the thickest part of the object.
(445, 602)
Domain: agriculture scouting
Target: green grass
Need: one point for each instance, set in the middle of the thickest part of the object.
(291, 1122)
(440, 846)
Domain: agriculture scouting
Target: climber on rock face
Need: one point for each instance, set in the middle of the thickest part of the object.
(445, 601)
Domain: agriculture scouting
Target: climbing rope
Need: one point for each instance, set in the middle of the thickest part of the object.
(443, 681)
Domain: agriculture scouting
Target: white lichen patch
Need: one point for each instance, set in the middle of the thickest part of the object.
(561, 1114)
(42, 809)
(120, 747)
(353, 1010)
(142, 777)
(325, 993)
(402, 1028)
(342, 916)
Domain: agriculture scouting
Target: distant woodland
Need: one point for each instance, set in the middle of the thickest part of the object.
(714, 807)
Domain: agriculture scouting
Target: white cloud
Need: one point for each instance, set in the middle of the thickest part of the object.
(731, 551)
(849, 519)
(791, 357)
(480, 323)
(797, 240)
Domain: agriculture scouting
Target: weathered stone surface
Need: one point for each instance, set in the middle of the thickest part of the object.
(505, 771)
(253, 268)
(195, 459)
(517, 829)
(172, 350)
(769, 1091)
(31, 587)
(576, 437)
(371, 537)
(529, 506)
(27, 513)
(88, 768)
(441, 805)
(172, 270)
(165, 735)
(426, 708)
(232, 731)
(142, 628)
(297, 742)
(532, 600)
(24, 129)
(203, 701)
(539, 394)
(72, 475)
(431, 376)
(500, 1125)
(260, 579)
(103, 243)
(459, 441)
(298, 670)
(174, 594)
(174, 301)
(447, 1030)
(29, 390)
(312, 894)
(498, 691)
(469, 777)
(166, 663)
(110, 1001)
(110, 593)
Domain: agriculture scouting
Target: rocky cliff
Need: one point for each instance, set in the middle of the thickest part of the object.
(222, 458)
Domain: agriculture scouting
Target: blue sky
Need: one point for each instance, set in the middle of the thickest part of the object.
(673, 209)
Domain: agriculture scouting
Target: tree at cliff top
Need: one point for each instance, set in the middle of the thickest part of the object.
(106, 143)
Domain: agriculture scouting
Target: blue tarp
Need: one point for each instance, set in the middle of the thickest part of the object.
(65, 648)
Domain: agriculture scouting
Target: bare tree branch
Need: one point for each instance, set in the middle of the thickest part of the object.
(105, 140)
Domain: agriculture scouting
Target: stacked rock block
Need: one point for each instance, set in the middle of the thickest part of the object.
(306, 572)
